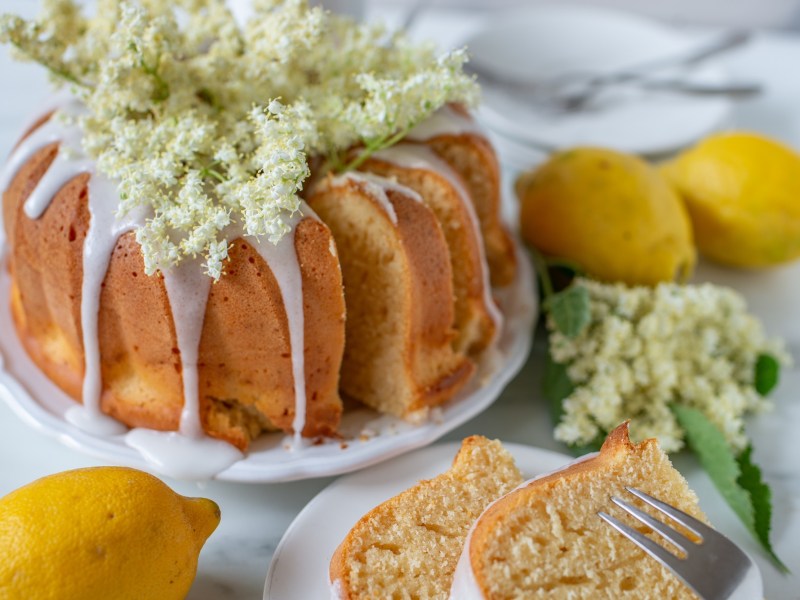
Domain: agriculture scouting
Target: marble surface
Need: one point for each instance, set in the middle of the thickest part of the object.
(234, 562)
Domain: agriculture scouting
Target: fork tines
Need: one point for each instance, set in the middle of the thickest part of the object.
(712, 565)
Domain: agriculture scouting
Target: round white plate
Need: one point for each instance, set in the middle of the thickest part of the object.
(368, 437)
(541, 42)
(299, 567)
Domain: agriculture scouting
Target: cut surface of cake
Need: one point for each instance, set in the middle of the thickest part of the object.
(397, 274)
(545, 539)
(443, 191)
(408, 546)
(458, 140)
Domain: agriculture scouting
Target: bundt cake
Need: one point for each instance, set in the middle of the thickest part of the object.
(545, 539)
(388, 287)
(408, 546)
(215, 232)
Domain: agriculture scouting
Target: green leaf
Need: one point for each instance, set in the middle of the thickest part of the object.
(556, 385)
(570, 310)
(761, 497)
(737, 480)
(767, 371)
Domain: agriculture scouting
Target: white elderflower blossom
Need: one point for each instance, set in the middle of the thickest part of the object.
(210, 124)
(646, 348)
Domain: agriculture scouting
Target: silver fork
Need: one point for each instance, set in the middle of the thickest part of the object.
(573, 92)
(714, 567)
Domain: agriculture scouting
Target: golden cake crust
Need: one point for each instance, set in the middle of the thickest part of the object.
(473, 157)
(617, 464)
(246, 382)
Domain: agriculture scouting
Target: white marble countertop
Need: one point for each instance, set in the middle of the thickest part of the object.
(234, 562)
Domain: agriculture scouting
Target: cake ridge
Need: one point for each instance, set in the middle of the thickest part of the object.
(420, 156)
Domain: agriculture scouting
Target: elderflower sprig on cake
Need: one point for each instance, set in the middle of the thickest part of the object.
(211, 124)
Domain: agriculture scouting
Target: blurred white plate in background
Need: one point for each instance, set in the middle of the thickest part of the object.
(541, 42)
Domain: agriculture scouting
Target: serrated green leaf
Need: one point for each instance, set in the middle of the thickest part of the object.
(767, 372)
(715, 455)
(761, 498)
(737, 480)
(556, 385)
(570, 310)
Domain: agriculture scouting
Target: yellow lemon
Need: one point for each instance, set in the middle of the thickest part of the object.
(743, 195)
(611, 213)
(101, 533)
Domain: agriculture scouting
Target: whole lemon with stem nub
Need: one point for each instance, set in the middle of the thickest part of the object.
(743, 195)
(611, 213)
(101, 533)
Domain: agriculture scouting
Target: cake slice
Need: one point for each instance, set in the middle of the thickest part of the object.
(455, 137)
(546, 540)
(443, 191)
(408, 546)
(398, 357)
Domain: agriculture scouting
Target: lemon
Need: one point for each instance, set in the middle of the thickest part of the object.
(611, 213)
(101, 533)
(743, 195)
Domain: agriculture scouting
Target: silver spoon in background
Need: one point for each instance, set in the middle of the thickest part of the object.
(575, 91)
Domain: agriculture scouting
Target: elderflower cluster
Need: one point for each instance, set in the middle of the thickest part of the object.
(209, 124)
(646, 348)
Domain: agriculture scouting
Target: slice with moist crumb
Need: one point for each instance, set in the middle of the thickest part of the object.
(545, 540)
(408, 546)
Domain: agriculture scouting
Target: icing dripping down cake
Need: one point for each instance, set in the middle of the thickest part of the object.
(381, 291)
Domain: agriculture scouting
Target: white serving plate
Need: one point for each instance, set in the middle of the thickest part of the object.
(368, 437)
(544, 41)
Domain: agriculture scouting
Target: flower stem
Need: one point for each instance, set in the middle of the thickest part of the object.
(541, 266)
(375, 146)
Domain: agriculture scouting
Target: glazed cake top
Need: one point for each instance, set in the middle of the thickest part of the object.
(207, 122)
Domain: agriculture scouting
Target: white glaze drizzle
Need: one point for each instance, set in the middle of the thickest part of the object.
(187, 289)
(377, 186)
(101, 239)
(419, 156)
(445, 121)
(189, 453)
(465, 586)
(48, 133)
(335, 588)
(282, 260)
